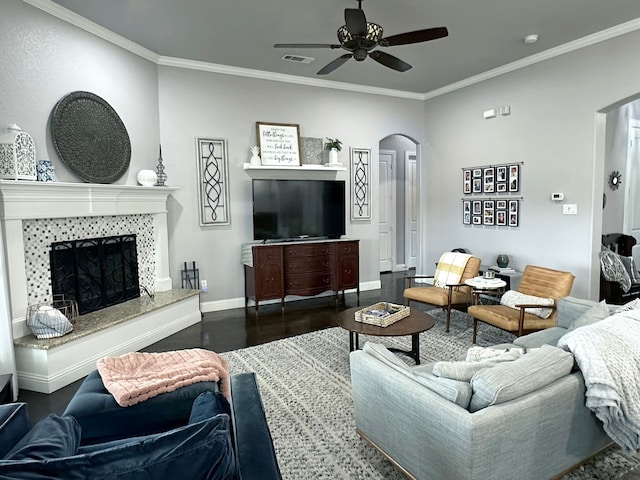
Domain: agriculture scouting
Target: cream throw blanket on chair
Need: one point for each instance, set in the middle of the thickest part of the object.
(450, 268)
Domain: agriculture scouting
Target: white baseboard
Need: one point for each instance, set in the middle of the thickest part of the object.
(231, 303)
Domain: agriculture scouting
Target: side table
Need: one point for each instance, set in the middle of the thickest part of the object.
(487, 286)
(6, 392)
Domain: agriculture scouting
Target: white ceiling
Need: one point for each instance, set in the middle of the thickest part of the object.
(483, 34)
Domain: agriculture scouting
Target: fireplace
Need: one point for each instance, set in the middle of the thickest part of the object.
(96, 272)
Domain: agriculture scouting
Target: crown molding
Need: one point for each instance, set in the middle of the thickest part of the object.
(280, 77)
(91, 27)
(587, 41)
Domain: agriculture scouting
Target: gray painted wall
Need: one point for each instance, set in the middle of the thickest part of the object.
(202, 104)
(552, 129)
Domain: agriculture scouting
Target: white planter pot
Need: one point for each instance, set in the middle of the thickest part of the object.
(333, 156)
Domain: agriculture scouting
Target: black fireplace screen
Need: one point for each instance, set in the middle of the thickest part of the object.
(96, 272)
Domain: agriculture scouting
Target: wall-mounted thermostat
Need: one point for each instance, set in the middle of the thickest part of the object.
(557, 197)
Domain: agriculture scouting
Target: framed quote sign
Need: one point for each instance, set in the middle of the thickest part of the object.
(279, 143)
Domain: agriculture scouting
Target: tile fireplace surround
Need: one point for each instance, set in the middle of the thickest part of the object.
(35, 214)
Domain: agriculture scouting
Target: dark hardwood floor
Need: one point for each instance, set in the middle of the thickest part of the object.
(238, 328)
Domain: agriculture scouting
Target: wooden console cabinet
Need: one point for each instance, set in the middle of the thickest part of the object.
(301, 268)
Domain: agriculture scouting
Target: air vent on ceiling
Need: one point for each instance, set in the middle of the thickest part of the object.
(297, 58)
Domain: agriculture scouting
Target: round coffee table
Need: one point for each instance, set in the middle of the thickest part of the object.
(416, 323)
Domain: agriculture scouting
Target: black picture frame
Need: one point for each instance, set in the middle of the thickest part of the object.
(466, 181)
(477, 220)
(488, 212)
(488, 176)
(501, 218)
(477, 185)
(514, 178)
(477, 173)
(477, 207)
(513, 213)
(466, 212)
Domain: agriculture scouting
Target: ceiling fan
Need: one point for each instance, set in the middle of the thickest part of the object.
(360, 37)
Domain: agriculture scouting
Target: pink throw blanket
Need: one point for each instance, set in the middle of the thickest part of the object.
(134, 377)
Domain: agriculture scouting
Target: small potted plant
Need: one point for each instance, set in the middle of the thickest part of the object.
(334, 146)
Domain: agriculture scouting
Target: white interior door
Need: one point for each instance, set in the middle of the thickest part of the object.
(632, 183)
(387, 229)
(411, 210)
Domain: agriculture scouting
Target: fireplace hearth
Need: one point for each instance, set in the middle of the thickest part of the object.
(96, 272)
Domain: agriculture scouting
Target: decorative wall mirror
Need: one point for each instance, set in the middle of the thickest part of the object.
(615, 179)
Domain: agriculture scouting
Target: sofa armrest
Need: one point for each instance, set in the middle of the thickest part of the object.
(14, 424)
(255, 454)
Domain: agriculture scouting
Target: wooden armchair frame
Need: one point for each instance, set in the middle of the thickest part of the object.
(537, 281)
(457, 295)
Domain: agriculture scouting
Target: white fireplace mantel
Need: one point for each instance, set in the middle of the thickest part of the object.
(22, 200)
(25, 200)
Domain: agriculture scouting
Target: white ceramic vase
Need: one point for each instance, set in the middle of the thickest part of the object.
(147, 178)
(333, 156)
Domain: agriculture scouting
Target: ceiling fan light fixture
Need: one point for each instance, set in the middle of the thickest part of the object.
(374, 34)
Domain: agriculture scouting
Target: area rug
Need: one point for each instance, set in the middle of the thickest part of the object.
(306, 390)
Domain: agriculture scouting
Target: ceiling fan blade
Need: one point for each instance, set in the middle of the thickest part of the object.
(356, 21)
(390, 61)
(414, 37)
(335, 64)
(305, 45)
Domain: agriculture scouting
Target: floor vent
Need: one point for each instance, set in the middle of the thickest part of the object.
(297, 58)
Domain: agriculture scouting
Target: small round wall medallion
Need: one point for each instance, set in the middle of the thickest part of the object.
(615, 179)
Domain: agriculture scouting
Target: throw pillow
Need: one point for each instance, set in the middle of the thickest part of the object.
(208, 405)
(613, 269)
(596, 313)
(511, 298)
(50, 438)
(464, 371)
(630, 267)
(510, 380)
(200, 450)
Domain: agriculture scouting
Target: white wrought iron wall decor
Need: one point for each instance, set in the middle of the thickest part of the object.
(213, 181)
(360, 168)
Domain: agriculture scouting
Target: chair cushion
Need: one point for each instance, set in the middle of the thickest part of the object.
(511, 298)
(437, 296)
(509, 380)
(50, 438)
(507, 318)
(200, 450)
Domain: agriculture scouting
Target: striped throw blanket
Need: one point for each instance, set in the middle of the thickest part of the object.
(450, 268)
(134, 377)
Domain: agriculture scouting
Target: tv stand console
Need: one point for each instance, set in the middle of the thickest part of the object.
(307, 268)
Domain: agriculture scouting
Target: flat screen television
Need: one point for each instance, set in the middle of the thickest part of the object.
(297, 209)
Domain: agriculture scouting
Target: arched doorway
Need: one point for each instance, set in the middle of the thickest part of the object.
(398, 200)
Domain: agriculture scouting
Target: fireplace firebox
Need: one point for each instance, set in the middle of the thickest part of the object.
(96, 272)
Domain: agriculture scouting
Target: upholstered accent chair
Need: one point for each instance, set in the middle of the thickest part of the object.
(456, 295)
(537, 283)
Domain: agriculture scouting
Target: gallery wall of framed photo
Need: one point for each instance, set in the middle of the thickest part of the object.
(479, 207)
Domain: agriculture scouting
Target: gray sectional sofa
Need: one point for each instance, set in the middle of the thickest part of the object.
(523, 419)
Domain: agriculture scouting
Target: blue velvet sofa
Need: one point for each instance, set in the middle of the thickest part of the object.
(191, 433)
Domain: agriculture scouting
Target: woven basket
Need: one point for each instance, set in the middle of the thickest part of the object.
(59, 315)
(382, 314)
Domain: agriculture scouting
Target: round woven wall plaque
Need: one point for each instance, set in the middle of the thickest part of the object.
(90, 137)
